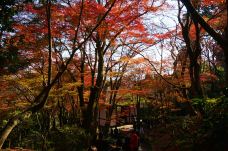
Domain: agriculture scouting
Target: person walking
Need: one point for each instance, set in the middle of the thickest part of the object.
(134, 141)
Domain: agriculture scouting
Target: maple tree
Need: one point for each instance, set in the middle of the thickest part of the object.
(84, 31)
(42, 96)
(115, 28)
(193, 50)
(220, 39)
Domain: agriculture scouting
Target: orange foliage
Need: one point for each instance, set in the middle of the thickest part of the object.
(212, 2)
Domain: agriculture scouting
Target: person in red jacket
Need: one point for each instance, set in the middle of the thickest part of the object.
(134, 141)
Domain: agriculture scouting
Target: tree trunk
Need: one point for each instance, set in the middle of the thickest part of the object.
(225, 50)
(220, 39)
(95, 90)
(195, 89)
(41, 98)
(7, 129)
(194, 51)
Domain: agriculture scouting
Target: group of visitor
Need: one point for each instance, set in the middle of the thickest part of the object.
(127, 142)
(121, 140)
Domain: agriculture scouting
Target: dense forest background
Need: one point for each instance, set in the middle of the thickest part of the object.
(63, 62)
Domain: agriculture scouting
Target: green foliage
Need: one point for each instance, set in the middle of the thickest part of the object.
(154, 114)
(210, 106)
(15, 112)
(204, 105)
(214, 110)
(214, 123)
(32, 134)
(217, 115)
(69, 138)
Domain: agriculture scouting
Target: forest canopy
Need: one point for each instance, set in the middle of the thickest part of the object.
(71, 68)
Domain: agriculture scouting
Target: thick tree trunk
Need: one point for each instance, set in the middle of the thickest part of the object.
(7, 130)
(225, 50)
(220, 39)
(95, 90)
(82, 77)
(226, 64)
(196, 89)
(194, 51)
(88, 114)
